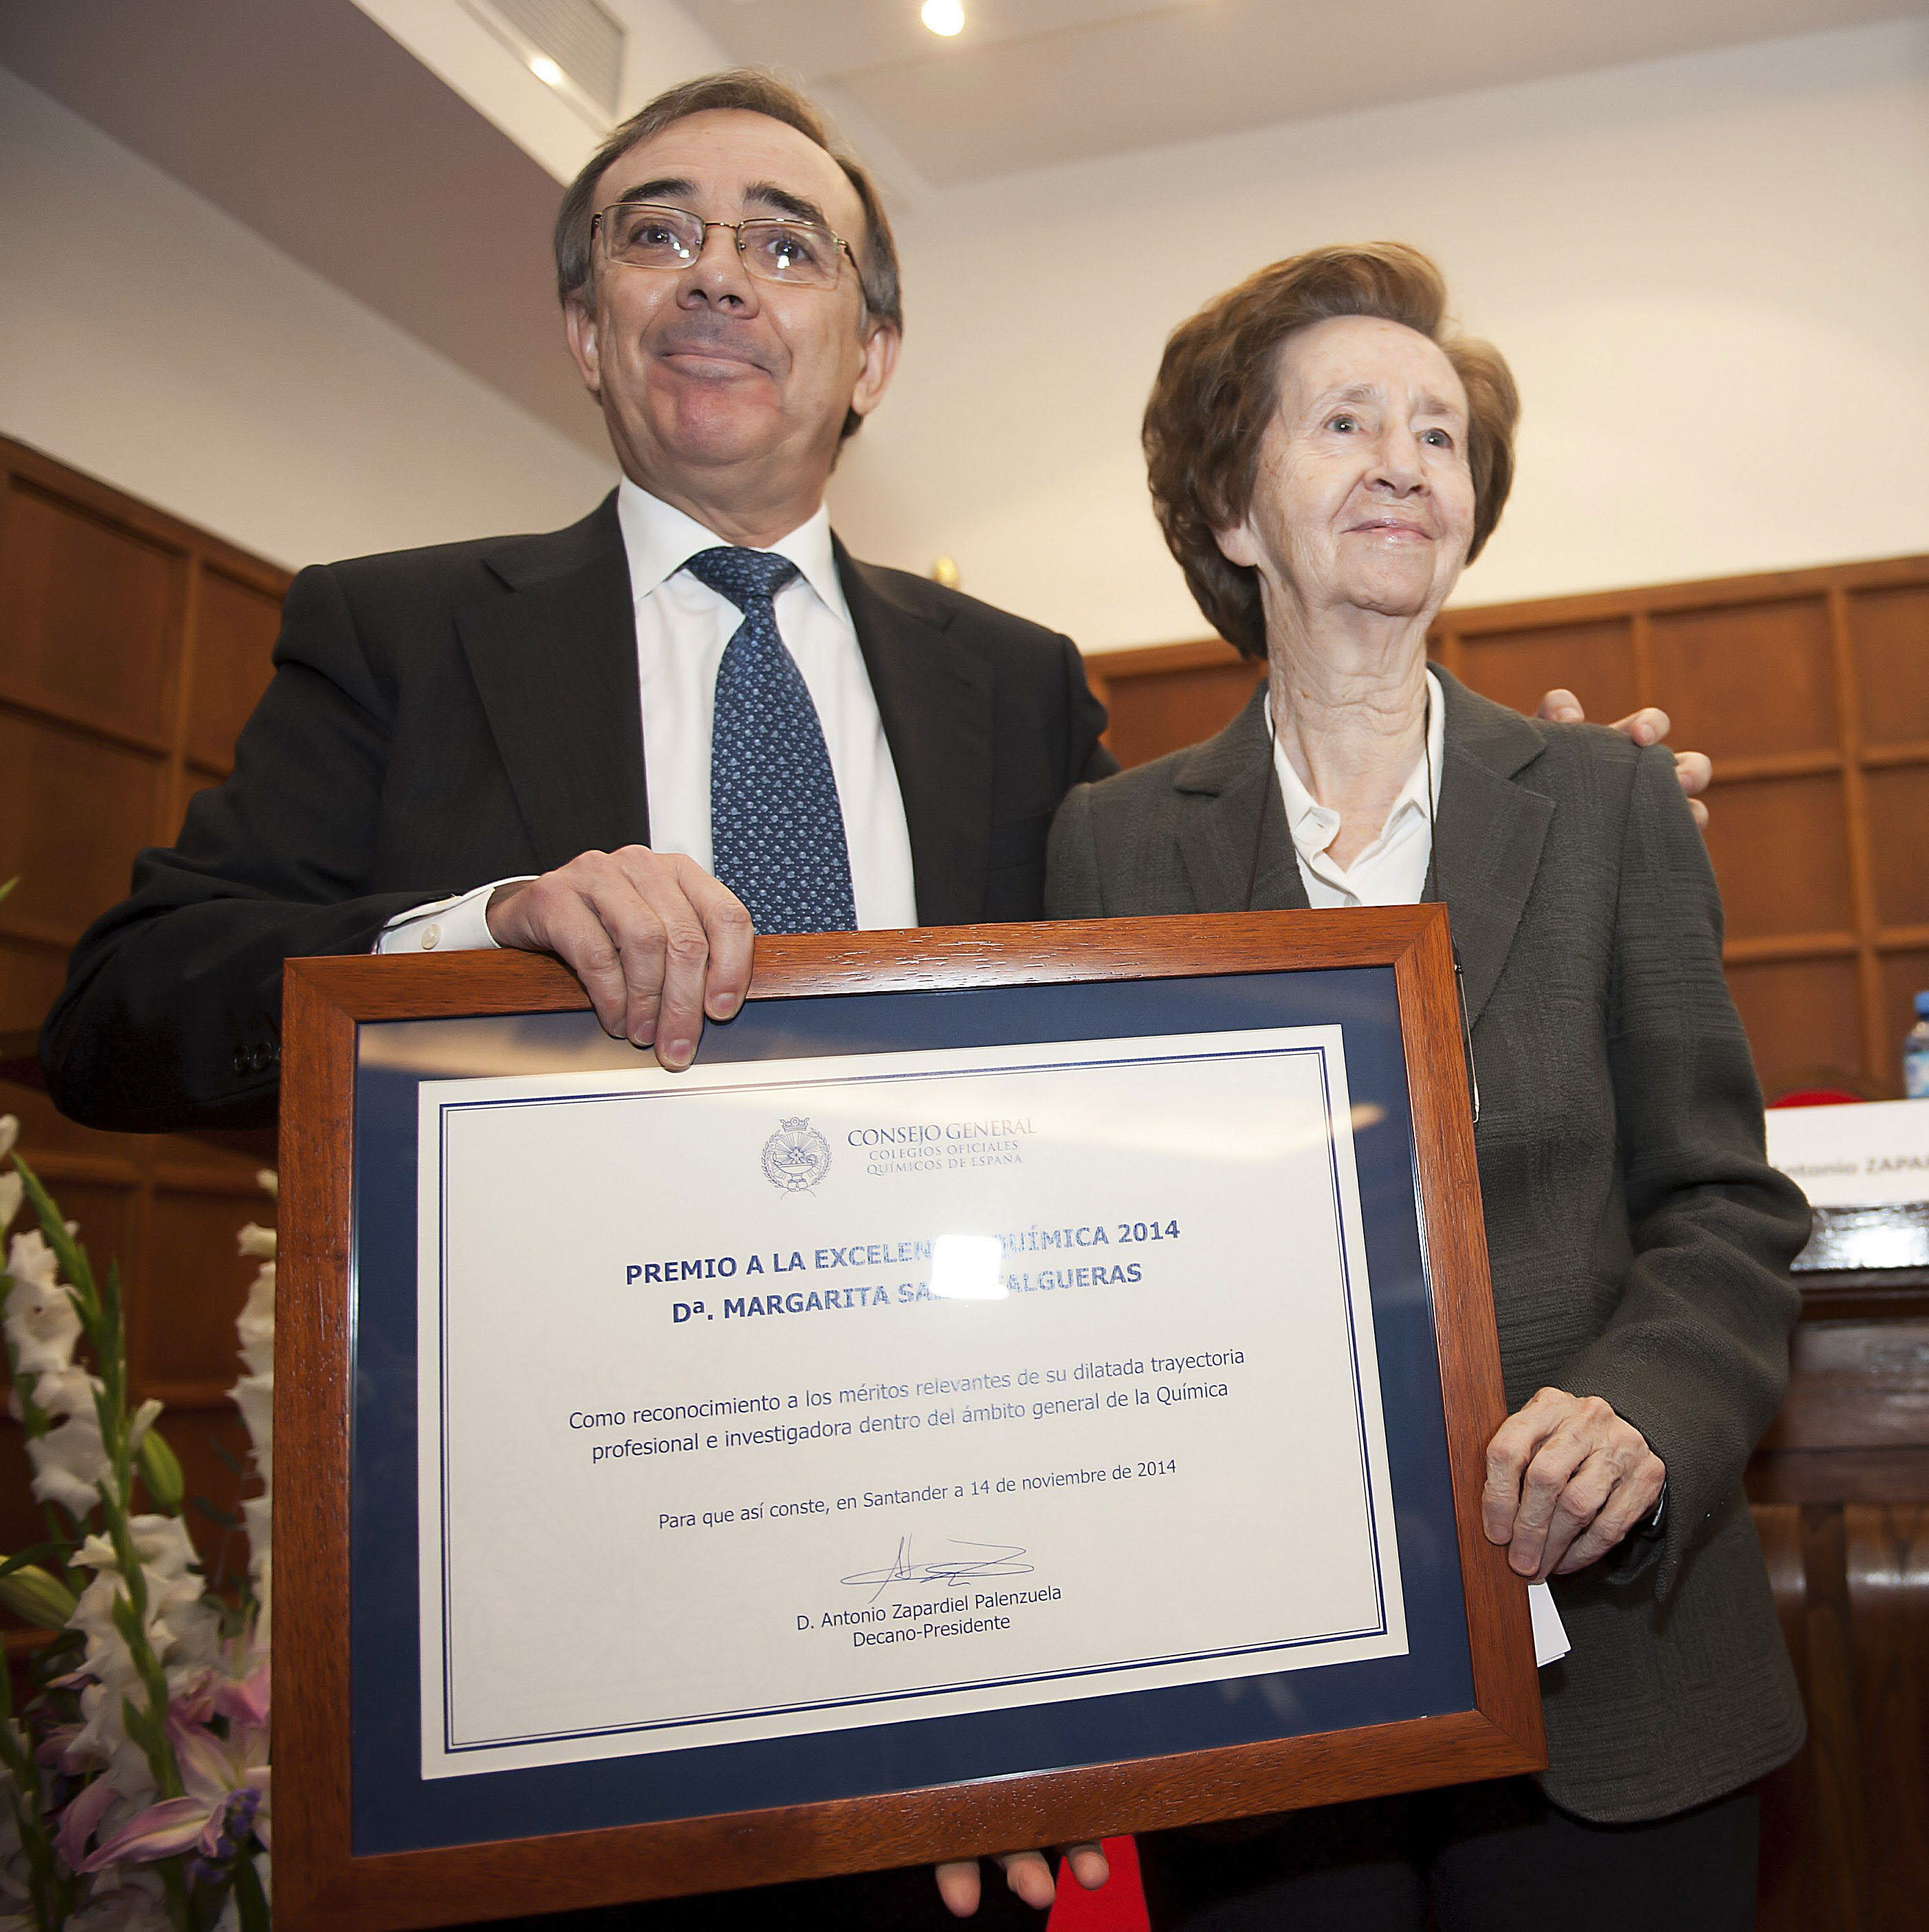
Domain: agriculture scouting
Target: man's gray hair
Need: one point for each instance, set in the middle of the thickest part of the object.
(749, 90)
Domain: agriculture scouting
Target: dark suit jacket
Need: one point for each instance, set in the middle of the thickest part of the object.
(1639, 1242)
(441, 717)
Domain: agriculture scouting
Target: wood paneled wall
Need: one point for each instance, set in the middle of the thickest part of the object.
(1809, 690)
(1840, 1490)
(132, 647)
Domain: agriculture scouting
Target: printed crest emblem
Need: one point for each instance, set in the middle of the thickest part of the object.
(796, 1156)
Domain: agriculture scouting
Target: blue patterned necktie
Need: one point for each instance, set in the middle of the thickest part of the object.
(776, 830)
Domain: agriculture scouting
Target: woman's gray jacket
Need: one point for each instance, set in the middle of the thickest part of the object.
(1638, 1241)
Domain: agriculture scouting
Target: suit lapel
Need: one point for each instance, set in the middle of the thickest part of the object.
(935, 703)
(1489, 834)
(555, 661)
(1236, 807)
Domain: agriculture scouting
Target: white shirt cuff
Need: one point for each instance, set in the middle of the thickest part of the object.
(458, 924)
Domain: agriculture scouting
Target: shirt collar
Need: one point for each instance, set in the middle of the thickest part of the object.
(659, 539)
(1314, 825)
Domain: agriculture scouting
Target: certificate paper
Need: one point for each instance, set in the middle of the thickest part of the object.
(788, 1396)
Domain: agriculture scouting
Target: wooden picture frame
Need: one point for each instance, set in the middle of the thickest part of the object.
(321, 1880)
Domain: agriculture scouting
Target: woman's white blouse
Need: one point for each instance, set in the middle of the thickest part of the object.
(1392, 870)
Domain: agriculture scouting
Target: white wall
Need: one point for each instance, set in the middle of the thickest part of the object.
(149, 339)
(1711, 274)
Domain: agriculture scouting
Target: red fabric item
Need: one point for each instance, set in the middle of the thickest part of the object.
(1817, 1097)
(1118, 1905)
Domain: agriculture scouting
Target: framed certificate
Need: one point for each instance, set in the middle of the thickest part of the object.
(1023, 1383)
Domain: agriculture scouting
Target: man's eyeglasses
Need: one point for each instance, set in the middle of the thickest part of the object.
(643, 235)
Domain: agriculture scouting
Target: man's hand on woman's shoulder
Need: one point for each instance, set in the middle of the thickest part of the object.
(1649, 726)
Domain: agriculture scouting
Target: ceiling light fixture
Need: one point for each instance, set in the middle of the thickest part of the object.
(546, 70)
(943, 16)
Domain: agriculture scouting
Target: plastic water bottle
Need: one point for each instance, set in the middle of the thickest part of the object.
(1915, 1053)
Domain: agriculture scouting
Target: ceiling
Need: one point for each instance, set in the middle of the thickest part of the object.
(306, 122)
(1031, 83)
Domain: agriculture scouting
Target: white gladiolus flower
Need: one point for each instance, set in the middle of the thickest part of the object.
(255, 1324)
(29, 1258)
(67, 1394)
(41, 1321)
(182, 1627)
(267, 1179)
(196, 1670)
(195, 1630)
(164, 1547)
(167, 1556)
(257, 1513)
(102, 1743)
(70, 1461)
(254, 1396)
(70, 1465)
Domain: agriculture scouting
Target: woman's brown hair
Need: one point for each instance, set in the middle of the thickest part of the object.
(1217, 387)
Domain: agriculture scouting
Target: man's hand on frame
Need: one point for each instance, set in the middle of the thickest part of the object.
(1648, 727)
(657, 943)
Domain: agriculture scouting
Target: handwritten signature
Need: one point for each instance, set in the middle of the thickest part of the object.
(999, 1559)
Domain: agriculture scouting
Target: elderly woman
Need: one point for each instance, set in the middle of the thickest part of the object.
(1326, 455)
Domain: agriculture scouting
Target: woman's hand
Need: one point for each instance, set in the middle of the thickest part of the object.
(1649, 726)
(1028, 1873)
(1567, 1479)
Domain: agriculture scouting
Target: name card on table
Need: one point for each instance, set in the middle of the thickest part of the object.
(1865, 1170)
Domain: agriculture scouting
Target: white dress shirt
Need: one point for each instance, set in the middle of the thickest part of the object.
(682, 627)
(1392, 870)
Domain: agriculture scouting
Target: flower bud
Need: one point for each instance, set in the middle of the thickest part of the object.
(161, 1471)
(32, 1593)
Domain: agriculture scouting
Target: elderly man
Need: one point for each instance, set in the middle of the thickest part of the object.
(634, 741)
